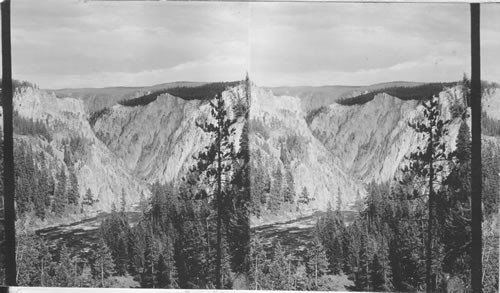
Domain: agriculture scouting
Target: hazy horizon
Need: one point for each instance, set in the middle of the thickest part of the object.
(259, 85)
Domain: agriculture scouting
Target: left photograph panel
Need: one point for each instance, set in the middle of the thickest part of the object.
(130, 144)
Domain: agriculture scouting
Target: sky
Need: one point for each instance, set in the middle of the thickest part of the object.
(75, 43)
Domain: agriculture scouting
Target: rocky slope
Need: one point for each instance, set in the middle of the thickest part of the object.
(98, 168)
(340, 149)
(343, 147)
(157, 141)
(282, 128)
(372, 139)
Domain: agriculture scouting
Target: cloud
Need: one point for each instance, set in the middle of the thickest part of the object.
(490, 42)
(83, 44)
(348, 43)
(69, 43)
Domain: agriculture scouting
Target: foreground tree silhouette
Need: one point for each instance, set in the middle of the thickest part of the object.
(215, 163)
(426, 164)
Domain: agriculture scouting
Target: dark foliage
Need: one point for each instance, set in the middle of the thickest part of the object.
(94, 116)
(37, 190)
(25, 126)
(313, 113)
(202, 92)
(489, 126)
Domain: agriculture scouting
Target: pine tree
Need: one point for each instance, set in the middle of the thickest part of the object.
(362, 282)
(279, 276)
(39, 206)
(258, 190)
(258, 262)
(455, 216)
(30, 176)
(60, 196)
(63, 271)
(51, 187)
(162, 279)
(289, 189)
(215, 162)
(44, 187)
(114, 231)
(236, 219)
(276, 197)
(491, 179)
(89, 198)
(148, 276)
(304, 198)
(377, 275)
(317, 264)
(102, 263)
(73, 193)
(67, 156)
(427, 165)
(27, 258)
(23, 179)
(337, 255)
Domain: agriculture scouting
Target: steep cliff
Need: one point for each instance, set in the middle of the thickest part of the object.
(372, 139)
(96, 167)
(331, 153)
(279, 132)
(157, 141)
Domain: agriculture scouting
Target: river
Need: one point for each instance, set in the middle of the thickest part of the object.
(296, 233)
(79, 236)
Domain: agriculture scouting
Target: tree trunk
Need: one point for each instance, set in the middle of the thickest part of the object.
(218, 284)
(41, 277)
(316, 271)
(256, 270)
(430, 224)
(102, 273)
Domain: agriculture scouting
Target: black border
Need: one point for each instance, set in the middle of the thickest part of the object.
(8, 149)
(476, 171)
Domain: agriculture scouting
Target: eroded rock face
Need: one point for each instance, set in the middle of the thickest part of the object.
(372, 139)
(128, 147)
(312, 165)
(341, 148)
(98, 168)
(157, 141)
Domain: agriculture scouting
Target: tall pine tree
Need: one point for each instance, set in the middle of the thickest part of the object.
(427, 164)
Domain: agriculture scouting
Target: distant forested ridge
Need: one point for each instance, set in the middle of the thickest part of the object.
(202, 92)
(421, 92)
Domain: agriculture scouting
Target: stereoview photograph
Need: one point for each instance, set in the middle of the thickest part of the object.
(251, 145)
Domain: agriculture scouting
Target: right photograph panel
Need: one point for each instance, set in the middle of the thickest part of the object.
(490, 138)
(360, 147)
